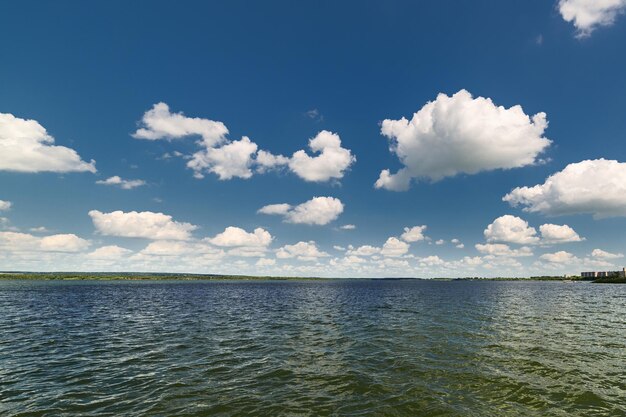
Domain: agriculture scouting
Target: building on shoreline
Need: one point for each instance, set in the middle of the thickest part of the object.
(604, 274)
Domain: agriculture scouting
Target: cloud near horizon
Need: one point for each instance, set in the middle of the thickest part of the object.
(303, 251)
(560, 257)
(599, 253)
(512, 229)
(501, 249)
(109, 252)
(145, 224)
(18, 242)
(236, 236)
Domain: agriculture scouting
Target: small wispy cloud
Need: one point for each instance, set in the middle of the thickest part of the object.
(170, 155)
(314, 114)
(122, 183)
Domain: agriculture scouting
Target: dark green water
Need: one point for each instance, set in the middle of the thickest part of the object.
(354, 348)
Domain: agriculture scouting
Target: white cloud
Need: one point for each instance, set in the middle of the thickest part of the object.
(413, 234)
(511, 229)
(239, 159)
(596, 187)
(234, 159)
(160, 123)
(25, 146)
(183, 249)
(560, 257)
(265, 262)
(394, 248)
(440, 242)
(458, 244)
(349, 262)
(500, 249)
(554, 233)
(365, 250)
(316, 211)
(240, 242)
(303, 251)
(472, 261)
(432, 260)
(599, 253)
(461, 134)
(146, 224)
(267, 161)
(5, 205)
(63, 243)
(500, 262)
(339, 248)
(280, 209)
(235, 236)
(14, 241)
(587, 15)
(169, 248)
(170, 155)
(353, 260)
(347, 227)
(400, 181)
(122, 183)
(248, 251)
(109, 252)
(331, 163)
(592, 263)
(400, 264)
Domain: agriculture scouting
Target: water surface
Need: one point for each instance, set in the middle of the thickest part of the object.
(349, 347)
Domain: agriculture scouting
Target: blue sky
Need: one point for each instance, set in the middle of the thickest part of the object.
(282, 73)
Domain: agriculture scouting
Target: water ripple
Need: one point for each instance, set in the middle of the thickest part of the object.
(301, 348)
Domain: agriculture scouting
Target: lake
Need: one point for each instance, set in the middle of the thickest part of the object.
(312, 348)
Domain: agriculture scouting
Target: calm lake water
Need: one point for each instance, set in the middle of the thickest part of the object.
(352, 347)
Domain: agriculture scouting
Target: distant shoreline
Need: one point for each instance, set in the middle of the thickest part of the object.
(138, 276)
(141, 276)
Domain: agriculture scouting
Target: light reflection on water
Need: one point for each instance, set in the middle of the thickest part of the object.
(312, 348)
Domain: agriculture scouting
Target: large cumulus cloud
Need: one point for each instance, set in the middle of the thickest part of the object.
(460, 134)
(596, 187)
